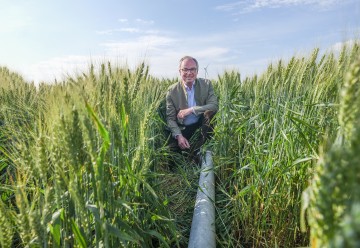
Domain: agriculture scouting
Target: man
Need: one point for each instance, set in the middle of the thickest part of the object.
(190, 105)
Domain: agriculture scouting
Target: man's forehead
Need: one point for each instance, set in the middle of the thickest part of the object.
(188, 61)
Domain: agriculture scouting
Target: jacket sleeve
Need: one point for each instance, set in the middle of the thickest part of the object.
(211, 102)
(171, 115)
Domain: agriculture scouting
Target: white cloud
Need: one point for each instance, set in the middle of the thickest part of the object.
(337, 47)
(129, 30)
(137, 26)
(106, 32)
(161, 53)
(145, 22)
(129, 53)
(126, 30)
(249, 6)
(59, 68)
(123, 20)
(142, 43)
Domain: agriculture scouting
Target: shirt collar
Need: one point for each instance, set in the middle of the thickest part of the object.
(187, 87)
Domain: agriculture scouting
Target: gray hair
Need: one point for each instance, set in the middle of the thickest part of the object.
(189, 57)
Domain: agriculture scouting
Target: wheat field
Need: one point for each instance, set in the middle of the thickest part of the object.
(84, 162)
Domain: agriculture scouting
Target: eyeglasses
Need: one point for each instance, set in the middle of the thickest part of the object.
(192, 70)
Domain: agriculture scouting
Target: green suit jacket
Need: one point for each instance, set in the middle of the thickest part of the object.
(176, 100)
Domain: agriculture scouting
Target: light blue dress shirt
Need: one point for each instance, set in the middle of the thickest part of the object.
(192, 118)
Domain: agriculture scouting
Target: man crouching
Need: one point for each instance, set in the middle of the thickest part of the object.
(190, 105)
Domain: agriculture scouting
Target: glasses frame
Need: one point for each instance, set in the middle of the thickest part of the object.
(187, 70)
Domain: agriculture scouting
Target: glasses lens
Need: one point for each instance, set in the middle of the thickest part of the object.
(188, 70)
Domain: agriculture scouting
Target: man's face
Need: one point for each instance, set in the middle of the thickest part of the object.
(188, 71)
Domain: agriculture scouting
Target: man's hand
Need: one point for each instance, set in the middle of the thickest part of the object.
(183, 142)
(184, 112)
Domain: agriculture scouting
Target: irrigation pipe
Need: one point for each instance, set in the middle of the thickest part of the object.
(202, 232)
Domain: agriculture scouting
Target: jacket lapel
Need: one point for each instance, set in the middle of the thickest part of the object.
(197, 93)
(183, 99)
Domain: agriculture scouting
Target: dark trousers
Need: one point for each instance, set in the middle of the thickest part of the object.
(197, 134)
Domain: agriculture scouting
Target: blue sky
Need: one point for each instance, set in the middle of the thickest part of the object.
(44, 40)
